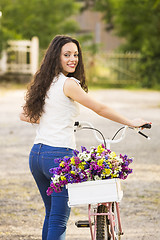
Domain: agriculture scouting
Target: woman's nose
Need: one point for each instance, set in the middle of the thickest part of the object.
(72, 58)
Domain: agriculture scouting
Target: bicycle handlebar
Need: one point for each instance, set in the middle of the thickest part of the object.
(82, 125)
(146, 126)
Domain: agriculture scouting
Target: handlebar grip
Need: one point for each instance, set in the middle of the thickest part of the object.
(147, 125)
(76, 124)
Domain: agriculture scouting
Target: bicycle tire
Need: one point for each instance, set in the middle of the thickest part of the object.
(116, 227)
(102, 232)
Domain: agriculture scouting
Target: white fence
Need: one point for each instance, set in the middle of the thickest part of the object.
(21, 56)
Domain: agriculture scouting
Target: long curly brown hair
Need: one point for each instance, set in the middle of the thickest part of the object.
(49, 68)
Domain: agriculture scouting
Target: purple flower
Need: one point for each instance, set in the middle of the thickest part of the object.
(75, 152)
(93, 155)
(77, 160)
(108, 150)
(106, 165)
(52, 170)
(73, 168)
(86, 166)
(83, 149)
(49, 191)
(106, 157)
(67, 169)
(66, 159)
(57, 160)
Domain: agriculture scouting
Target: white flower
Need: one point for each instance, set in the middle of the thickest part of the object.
(92, 149)
(119, 159)
(89, 178)
(120, 168)
(84, 156)
(55, 179)
(97, 178)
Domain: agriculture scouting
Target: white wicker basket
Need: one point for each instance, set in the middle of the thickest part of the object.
(108, 190)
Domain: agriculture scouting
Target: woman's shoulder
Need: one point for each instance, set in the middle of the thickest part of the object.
(65, 80)
(62, 76)
(75, 79)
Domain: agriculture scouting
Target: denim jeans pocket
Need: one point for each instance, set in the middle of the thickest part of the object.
(47, 163)
(47, 160)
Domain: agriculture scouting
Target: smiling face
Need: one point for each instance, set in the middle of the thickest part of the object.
(69, 58)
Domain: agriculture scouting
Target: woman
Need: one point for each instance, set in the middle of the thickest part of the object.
(51, 101)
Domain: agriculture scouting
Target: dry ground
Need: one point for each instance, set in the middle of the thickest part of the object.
(21, 209)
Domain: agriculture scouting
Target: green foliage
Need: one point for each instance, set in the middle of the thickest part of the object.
(138, 22)
(42, 18)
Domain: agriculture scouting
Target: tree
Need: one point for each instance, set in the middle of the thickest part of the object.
(42, 18)
(138, 22)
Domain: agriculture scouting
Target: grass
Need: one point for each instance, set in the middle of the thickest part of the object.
(118, 85)
(12, 85)
(100, 83)
(100, 76)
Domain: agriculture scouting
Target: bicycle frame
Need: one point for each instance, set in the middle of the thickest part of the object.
(110, 213)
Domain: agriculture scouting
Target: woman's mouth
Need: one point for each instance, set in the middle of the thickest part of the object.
(72, 65)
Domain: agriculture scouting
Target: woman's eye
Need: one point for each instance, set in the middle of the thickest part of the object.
(67, 55)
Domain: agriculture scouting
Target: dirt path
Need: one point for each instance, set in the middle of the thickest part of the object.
(21, 209)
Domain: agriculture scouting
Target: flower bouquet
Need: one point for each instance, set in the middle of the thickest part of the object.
(97, 164)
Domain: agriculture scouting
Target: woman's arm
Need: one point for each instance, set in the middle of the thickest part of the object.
(75, 92)
(25, 118)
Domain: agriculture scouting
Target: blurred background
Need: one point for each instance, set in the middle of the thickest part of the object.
(121, 48)
(120, 39)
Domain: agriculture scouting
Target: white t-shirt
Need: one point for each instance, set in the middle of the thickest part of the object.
(60, 112)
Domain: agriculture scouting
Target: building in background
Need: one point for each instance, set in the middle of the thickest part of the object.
(92, 22)
(20, 60)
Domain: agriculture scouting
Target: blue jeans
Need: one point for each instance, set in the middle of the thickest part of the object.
(41, 159)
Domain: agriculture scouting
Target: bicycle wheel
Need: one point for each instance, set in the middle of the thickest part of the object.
(116, 227)
(102, 232)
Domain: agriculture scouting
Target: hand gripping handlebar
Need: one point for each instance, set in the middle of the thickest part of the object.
(86, 125)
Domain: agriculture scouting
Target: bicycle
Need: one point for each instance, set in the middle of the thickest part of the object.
(106, 223)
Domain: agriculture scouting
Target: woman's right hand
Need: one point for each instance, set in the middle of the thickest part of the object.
(138, 122)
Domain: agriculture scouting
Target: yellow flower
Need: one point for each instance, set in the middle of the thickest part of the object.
(62, 164)
(112, 155)
(100, 149)
(81, 166)
(100, 162)
(84, 163)
(63, 178)
(109, 164)
(107, 171)
(114, 175)
(72, 161)
(73, 172)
